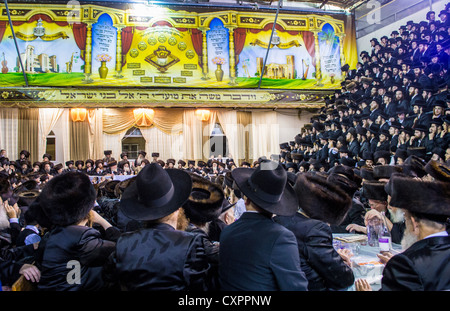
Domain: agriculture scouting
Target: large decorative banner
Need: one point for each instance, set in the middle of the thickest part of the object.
(135, 47)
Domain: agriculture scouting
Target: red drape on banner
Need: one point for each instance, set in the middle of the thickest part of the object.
(44, 17)
(127, 39)
(79, 34)
(308, 39)
(3, 25)
(239, 40)
(277, 27)
(197, 41)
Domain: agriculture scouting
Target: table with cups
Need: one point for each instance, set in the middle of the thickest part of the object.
(365, 263)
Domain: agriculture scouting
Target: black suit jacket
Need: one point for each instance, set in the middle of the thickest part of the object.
(159, 258)
(257, 254)
(323, 266)
(425, 266)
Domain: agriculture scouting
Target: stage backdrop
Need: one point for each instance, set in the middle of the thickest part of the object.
(135, 46)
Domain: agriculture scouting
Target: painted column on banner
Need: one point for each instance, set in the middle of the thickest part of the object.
(88, 55)
(118, 74)
(232, 56)
(205, 54)
(318, 63)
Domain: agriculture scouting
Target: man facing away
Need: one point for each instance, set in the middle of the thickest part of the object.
(256, 253)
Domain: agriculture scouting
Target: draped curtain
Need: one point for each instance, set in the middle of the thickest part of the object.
(290, 124)
(116, 120)
(308, 39)
(47, 120)
(192, 136)
(167, 145)
(113, 142)
(265, 134)
(208, 127)
(28, 131)
(9, 126)
(3, 25)
(239, 40)
(79, 140)
(127, 39)
(197, 42)
(350, 48)
(95, 122)
(64, 123)
(244, 120)
(228, 121)
(79, 34)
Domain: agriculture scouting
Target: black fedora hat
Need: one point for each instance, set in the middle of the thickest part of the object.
(267, 187)
(155, 193)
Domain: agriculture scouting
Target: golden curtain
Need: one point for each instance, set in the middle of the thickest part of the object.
(79, 140)
(28, 132)
(244, 120)
(168, 120)
(350, 50)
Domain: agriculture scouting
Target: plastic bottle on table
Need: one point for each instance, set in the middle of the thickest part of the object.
(385, 238)
(373, 230)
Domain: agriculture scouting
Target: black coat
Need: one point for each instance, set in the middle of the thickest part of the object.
(257, 254)
(64, 244)
(159, 258)
(323, 266)
(425, 266)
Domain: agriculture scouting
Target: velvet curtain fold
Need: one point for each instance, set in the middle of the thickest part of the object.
(127, 39)
(239, 40)
(308, 39)
(79, 33)
(3, 25)
(28, 129)
(197, 42)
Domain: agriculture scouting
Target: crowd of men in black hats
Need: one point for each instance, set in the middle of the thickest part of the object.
(379, 149)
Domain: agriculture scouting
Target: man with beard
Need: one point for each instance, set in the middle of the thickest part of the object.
(424, 265)
(160, 256)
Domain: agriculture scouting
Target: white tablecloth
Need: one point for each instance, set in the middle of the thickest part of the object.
(366, 264)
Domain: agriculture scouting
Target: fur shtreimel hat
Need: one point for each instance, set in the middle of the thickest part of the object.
(205, 201)
(425, 199)
(414, 166)
(67, 198)
(366, 172)
(385, 171)
(374, 190)
(321, 199)
(438, 171)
